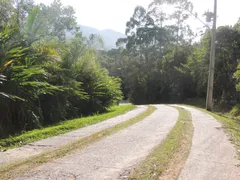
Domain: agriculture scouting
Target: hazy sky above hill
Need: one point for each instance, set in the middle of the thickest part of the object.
(113, 14)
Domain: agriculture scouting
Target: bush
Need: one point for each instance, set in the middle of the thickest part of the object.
(235, 110)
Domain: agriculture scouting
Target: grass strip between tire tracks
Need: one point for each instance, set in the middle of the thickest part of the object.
(61, 128)
(168, 158)
(18, 168)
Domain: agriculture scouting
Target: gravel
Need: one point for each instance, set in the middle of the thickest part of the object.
(52, 143)
(212, 156)
(112, 155)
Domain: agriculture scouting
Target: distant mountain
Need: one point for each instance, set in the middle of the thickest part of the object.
(109, 36)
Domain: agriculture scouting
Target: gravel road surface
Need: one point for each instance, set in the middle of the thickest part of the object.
(52, 143)
(112, 155)
(212, 156)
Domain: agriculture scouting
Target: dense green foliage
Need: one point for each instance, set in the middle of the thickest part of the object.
(45, 78)
(160, 60)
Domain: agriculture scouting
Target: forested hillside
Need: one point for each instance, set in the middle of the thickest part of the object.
(45, 78)
(160, 61)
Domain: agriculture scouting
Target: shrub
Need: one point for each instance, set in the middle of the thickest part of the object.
(235, 110)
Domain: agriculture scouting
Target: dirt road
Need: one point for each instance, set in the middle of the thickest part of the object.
(212, 156)
(109, 157)
(44, 145)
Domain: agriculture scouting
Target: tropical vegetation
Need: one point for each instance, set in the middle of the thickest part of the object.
(46, 78)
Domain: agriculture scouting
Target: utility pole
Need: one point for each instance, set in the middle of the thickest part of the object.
(209, 100)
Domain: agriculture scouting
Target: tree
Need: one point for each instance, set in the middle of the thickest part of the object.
(58, 20)
(6, 10)
(44, 78)
(159, 62)
(157, 45)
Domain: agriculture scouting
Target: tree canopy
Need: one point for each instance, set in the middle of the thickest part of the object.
(160, 60)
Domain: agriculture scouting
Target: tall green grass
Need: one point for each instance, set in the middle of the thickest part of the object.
(61, 128)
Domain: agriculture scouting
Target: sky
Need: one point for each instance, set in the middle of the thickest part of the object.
(113, 14)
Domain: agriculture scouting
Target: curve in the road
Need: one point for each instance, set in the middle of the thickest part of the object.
(53, 143)
(110, 156)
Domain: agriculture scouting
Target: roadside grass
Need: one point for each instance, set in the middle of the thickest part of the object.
(230, 124)
(13, 170)
(232, 127)
(60, 128)
(168, 158)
